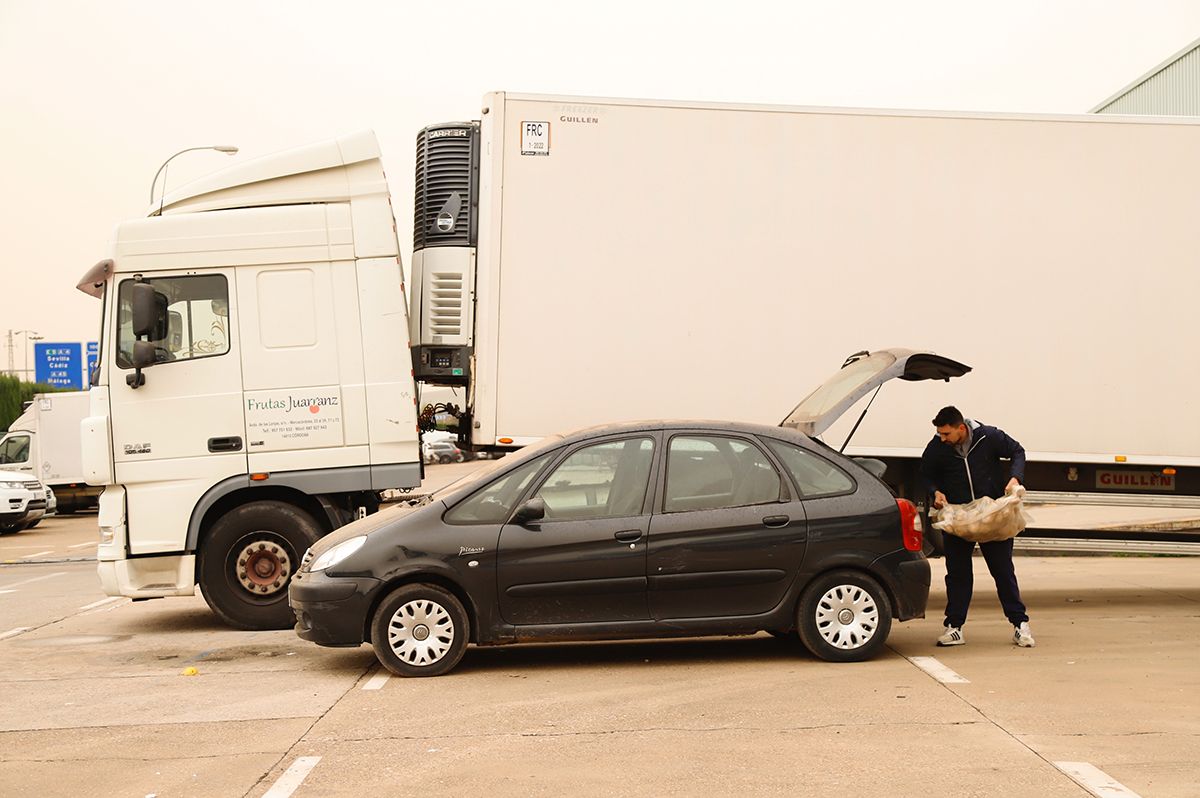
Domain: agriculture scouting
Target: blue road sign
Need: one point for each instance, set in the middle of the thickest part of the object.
(93, 355)
(59, 364)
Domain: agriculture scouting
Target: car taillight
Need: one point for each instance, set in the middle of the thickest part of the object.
(910, 525)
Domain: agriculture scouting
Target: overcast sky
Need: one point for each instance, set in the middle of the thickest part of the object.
(96, 95)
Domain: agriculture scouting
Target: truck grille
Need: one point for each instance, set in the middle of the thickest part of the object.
(446, 186)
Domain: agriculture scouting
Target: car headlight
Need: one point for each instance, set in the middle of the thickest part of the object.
(12, 484)
(338, 553)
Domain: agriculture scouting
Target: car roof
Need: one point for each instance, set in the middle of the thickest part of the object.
(705, 425)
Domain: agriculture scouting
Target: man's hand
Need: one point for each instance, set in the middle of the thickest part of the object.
(939, 499)
(1012, 483)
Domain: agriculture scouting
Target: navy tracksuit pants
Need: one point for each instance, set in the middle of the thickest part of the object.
(960, 578)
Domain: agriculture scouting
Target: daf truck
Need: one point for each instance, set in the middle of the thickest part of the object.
(44, 443)
(580, 260)
(254, 388)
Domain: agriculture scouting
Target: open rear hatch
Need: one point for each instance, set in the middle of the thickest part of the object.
(862, 373)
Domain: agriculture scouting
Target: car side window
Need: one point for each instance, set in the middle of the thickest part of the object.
(605, 480)
(709, 472)
(494, 502)
(814, 475)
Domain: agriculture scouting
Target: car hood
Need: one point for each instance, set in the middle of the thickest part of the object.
(862, 373)
(16, 476)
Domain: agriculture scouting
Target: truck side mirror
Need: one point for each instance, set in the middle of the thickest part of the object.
(532, 510)
(149, 311)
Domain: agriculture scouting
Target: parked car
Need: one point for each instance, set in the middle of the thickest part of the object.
(441, 452)
(22, 501)
(633, 531)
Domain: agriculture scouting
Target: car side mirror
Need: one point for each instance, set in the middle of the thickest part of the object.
(532, 510)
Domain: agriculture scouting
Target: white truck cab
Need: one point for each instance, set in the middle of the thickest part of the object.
(254, 389)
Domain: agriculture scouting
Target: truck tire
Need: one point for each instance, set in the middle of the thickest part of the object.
(420, 630)
(844, 616)
(247, 560)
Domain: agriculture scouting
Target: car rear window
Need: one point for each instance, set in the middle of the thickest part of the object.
(815, 476)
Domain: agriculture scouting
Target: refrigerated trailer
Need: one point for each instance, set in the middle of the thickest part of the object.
(255, 388)
(581, 260)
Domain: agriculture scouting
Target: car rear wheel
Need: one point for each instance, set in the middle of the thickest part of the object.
(844, 616)
(420, 630)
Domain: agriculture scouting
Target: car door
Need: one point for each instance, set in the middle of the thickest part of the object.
(586, 560)
(728, 536)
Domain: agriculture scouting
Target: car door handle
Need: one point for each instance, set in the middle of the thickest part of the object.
(629, 535)
(232, 444)
(776, 520)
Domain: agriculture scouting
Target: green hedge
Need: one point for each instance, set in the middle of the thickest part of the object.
(14, 393)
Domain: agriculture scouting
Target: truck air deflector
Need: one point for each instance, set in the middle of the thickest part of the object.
(862, 373)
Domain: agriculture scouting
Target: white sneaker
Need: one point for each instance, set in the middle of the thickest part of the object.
(1022, 636)
(953, 636)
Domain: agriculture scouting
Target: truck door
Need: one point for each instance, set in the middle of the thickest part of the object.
(16, 453)
(182, 430)
(586, 560)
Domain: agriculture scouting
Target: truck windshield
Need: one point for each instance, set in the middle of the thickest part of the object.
(94, 376)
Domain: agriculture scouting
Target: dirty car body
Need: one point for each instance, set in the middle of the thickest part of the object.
(640, 530)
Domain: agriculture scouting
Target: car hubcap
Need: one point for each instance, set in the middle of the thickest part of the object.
(421, 632)
(263, 567)
(847, 617)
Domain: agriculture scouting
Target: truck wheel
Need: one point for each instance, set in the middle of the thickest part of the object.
(844, 616)
(420, 630)
(247, 560)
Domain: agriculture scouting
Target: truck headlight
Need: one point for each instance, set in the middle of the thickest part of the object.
(338, 553)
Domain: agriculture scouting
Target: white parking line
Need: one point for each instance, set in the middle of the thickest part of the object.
(39, 554)
(13, 632)
(81, 545)
(378, 680)
(291, 778)
(937, 670)
(1095, 780)
(35, 579)
(101, 602)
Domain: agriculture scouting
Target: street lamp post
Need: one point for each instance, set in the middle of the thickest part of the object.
(225, 148)
(30, 337)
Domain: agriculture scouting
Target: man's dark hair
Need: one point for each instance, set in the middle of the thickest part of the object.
(948, 416)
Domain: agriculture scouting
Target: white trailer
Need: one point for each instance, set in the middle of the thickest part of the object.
(254, 389)
(583, 260)
(44, 442)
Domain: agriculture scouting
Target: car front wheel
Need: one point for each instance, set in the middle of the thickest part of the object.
(420, 630)
(844, 616)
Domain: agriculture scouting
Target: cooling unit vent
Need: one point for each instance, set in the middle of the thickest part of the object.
(446, 186)
(446, 304)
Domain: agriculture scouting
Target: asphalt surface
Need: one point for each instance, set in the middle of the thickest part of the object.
(111, 697)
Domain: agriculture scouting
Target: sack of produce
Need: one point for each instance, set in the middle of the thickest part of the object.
(986, 519)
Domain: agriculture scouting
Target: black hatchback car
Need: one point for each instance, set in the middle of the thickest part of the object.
(637, 530)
